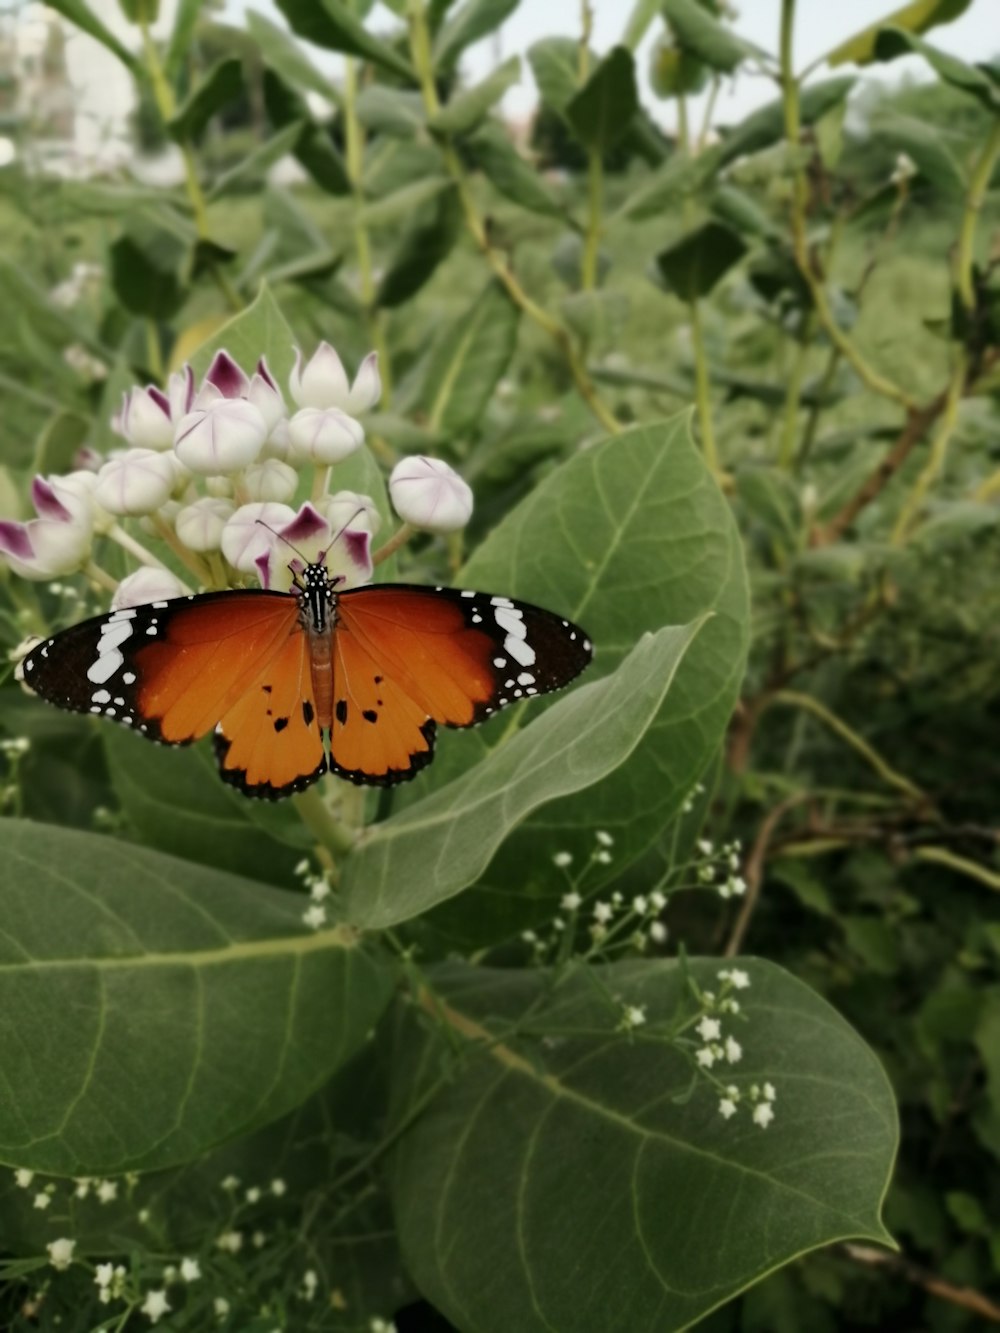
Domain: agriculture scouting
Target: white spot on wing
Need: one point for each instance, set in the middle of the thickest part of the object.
(525, 678)
(467, 594)
(101, 696)
(128, 677)
(522, 652)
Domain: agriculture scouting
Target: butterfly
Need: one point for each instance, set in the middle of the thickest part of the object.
(295, 684)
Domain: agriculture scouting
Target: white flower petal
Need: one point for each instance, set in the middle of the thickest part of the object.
(323, 435)
(367, 387)
(148, 585)
(322, 381)
(221, 438)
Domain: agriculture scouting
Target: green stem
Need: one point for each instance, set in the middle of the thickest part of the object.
(938, 452)
(703, 400)
(328, 831)
(982, 173)
(595, 200)
(812, 422)
(789, 429)
(420, 53)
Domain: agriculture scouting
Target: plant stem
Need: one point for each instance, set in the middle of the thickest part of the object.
(592, 238)
(703, 399)
(328, 831)
(354, 143)
(982, 172)
(800, 241)
(939, 452)
(399, 538)
(128, 543)
(420, 52)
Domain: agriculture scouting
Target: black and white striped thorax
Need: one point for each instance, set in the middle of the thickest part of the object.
(317, 599)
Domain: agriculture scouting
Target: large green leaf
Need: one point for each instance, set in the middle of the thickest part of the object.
(83, 17)
(471, 21)
(505, 168)
(979, 81)
(702, 35)
(928, 145)
(555, 64)
(467, 108)
(427, 241)
(466, 360)
(440, 845)
(578, 1181)
(185, 20)
(391, 111)
(151, 1008)
(259, 330)
(695, 262)
(314, 147)
(624, 537)
(601, 112)
(334, 25)
(221, 85)
(917, 17)
(282, 53)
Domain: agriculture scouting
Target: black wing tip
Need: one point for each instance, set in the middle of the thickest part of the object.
(261, 791)
(394, 776)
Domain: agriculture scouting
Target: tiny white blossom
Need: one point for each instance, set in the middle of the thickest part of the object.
(635, 1015)
(258, 1240)
(727, 1107)
(137, 481)
(603, 912)
(705, 1057)
(737, 885)
(657, 900)
(323, 435)
(200, 525)
(322, 381)
(230, 1241)
(319, 890)
(705, 846)
(734, 1051)
(253, 1194)
(221, 1307)
(270, 480)
(529, 937)
(107, 1191)
(230, 1183)
(314, 916)
(570, 901)
(104, 1274)
(604, 838)
(558, 923)
(763, 1114)
(736, 977)
(224, 436)
(603, 858)
(598, 932)
(60, 1252)
(708, 1029)
(302, 868)
(640, 904)
(769, 1092)
(562, 859)
(658, 932)
(23, 1177)
(83, 1184)
(190, 1270)
(309, 1284)
(155, 1306)
(169, 1274)
(42, 1201)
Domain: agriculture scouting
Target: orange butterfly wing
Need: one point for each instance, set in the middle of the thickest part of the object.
(408, 657)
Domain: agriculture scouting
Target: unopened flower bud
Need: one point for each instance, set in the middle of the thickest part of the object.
(349, 509)
(145, 418)
(200, 525)
(148, 585)
(323, 435)
(270, 480)
(429, 494)
(222, 437)
(137, 481)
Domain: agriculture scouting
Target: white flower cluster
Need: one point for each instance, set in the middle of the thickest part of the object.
(720, 1049)
(319, 888)
(213, 469)
(717, 868)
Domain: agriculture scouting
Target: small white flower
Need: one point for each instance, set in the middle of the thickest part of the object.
(736, 977)
(104, 1274)
(200, 525)
(562, 860)
(529, 937)
(657, 900)
(223, 437)
(706, 874)
(230, 1241)
(734, 1051)
(569, 902)
(23, 1177)
(322, 381)
(231, 1183)
(598, 932)
(42, 1201)
(58, 541)
(737, 886)
(253, 1194)
(763, 1114)
(603, 857)
(138, 481)
(221, 1307)
(147, 584)
(658, 932)
(83, 1184)
(270, 480)
(107, 1190)
(278, 1187)
(727, 1107)
(258, 1240)
(603, 912)
(640, 904)
(169, 1274)
(61, 1252)
(635, 1015)
(604, 838)
(705, 1057)
(309, 1284)
(323, 435)
(705, 846)
(708, 1029)
(155, 1306)
(769, 1092)
(190, 1270)
(314, 916)
(429, 494)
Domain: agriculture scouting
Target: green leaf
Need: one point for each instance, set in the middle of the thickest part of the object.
(332, 24)
(467, 108)
(140, 11)
(767, 125)
(424, 245)
(466, 360)
(692, 266)
(976, 80)
(773, 499)
(601, 111)
(391, 111)
(83, 17)
(402, 204)
(247, 173)
(442, 844)
(505, 168)
(58, 443)
(286, 58)
(700, 34)
(642, 15)
(555, 63)
(221, 85)
(917, 17)
(680, 177)
(314, 148)
(617, 1197)
(473, 20)
(145, 273)
(151, 1008)
(623, 537)
(927, 145)
(185, 20)
(260, 330)
(176, 802)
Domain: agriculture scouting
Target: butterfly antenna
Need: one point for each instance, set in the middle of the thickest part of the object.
(281, 538)
(341, 530)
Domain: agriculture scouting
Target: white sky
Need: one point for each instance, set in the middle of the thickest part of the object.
(820, 25)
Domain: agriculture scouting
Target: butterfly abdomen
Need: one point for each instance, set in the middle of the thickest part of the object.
(321, 669)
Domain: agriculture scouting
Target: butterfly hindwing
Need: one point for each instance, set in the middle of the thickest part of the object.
(408, 657)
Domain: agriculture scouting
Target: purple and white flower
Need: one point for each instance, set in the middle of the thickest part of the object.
(310, 537)
(58, 541)
(322, 382)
